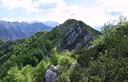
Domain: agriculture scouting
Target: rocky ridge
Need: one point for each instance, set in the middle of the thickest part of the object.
(77, 35)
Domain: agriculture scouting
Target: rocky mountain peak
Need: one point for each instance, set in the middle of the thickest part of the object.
(77, 35)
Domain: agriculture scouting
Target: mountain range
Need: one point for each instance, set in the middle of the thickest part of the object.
(19, 30)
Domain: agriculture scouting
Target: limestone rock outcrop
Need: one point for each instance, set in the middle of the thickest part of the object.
(76, 36)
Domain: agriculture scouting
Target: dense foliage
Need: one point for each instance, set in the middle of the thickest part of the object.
(107, 61)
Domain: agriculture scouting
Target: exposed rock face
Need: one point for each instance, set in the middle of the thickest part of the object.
(52, 73)
(77, 36)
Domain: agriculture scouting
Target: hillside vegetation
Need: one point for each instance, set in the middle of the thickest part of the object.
(105, 59)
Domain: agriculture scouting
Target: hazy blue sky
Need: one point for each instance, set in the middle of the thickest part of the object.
(92, 12)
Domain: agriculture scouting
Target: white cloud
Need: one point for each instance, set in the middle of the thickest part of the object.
(48, 1)
(28, 5)
(94, 15)
(115, 6)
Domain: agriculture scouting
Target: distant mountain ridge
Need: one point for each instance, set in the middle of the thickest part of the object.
(18, 30)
